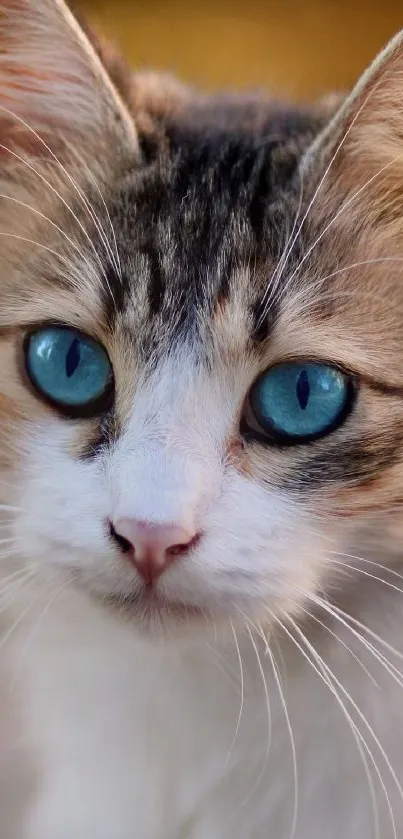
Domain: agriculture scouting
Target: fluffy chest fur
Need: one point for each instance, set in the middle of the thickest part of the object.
(117, 738)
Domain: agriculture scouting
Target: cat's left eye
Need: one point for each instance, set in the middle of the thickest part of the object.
(298, 401)
(69, 370)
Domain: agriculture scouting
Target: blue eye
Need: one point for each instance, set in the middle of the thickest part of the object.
(300, 401)
(69, 369)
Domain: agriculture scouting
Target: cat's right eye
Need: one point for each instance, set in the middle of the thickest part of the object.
(69, 370)
(298, 402)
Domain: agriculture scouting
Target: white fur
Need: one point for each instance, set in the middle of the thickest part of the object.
(110, 731)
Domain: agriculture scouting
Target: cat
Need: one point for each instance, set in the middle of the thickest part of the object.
(201, 424)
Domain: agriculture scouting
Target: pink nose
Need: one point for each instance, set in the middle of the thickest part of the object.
(152, 547)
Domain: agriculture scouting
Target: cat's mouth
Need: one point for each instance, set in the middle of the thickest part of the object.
(153, 609)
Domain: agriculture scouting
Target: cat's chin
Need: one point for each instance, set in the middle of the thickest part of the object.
(156, 615)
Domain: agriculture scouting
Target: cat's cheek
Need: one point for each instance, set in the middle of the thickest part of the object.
(63, 499)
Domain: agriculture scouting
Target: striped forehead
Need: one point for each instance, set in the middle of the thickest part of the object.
(201, 226)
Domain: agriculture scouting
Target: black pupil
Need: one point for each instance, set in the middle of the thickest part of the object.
(303, 389)
(73, 358)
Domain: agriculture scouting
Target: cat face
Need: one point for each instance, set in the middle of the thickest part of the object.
(201, 318)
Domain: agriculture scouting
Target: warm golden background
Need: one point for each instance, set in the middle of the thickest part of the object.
(296, 47)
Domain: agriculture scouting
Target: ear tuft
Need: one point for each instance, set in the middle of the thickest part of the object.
(52, 80)
(362, 146)
(369, 123)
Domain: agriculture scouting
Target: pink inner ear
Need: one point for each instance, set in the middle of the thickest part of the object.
(35, 93)
(52, 79)
(15, 127)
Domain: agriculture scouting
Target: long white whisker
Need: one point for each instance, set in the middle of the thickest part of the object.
(7, 552)
(362, 571)
(69, 209)
(39, 245)
(5, 581)
(75, 186)
(360, 741)
(17, 622)
(358, 712)
(52, 223)
(306, 294)
(369, 561)
(343, 643)
(343, 619)
(339, 212)
(319, 187)
(114, 256)
(369, 632)
(249, 624)
(217, 659)
(290, 732)
(242, 694)
(281, 668)
(214, 627)
(52, 600)
(15, 586)
(267, 298)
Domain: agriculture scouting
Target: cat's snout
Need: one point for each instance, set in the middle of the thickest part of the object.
(152, 547)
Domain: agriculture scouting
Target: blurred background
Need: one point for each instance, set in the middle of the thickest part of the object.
(298, 48)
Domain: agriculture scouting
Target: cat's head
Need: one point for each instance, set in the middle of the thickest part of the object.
(201, 332)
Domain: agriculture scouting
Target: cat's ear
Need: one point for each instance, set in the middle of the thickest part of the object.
(54, 84)
(364, 140)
